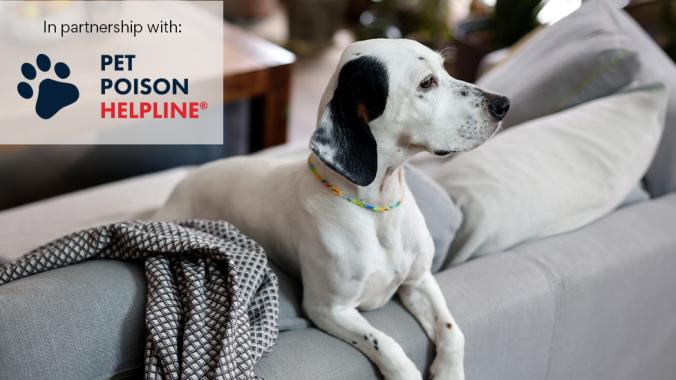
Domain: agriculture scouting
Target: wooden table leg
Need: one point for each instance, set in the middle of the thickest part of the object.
(269, 112)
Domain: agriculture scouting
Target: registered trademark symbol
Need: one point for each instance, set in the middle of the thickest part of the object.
(204, 105)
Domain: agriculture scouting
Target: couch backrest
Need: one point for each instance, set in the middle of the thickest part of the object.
(656, 66)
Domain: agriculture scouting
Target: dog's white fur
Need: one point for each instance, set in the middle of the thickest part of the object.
(349, 258)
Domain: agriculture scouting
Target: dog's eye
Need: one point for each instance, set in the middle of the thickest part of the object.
(428, 82)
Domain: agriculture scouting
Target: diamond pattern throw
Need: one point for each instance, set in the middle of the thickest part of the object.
(212, 300)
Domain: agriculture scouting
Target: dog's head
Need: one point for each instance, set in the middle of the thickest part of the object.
(394, 98)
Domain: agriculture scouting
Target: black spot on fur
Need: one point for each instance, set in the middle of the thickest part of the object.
(365, 337)
(321, 135)
(421, 58)
(353, 342)
(357, 53)
(420, 96)
(463, 93)
(362, 85)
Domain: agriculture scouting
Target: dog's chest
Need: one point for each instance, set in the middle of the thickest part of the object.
(387, 265)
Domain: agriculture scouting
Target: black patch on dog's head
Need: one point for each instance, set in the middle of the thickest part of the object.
(360, 97)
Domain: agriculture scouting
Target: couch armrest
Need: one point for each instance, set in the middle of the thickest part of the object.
(85, 321)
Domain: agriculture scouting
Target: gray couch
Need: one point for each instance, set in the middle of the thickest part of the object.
(597, 303)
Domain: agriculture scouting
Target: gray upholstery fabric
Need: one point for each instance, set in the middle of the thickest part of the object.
(80, 322)
(291, 315)
(614, 285)
(26, 227)
(655, 67)
(638, 194)
(578, 59)
(442, 216)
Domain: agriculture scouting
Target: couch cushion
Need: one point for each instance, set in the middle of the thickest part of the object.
(615, 283)
(656, 66)
(26, 227)
(592, 52)
(553, 174)
(442, 217)
(578, 59)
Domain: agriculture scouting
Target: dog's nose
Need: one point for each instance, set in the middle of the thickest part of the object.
(498, 105)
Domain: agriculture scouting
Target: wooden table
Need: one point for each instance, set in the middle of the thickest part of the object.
(258, 70)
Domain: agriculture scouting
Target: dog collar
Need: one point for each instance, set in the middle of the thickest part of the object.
(355, 201)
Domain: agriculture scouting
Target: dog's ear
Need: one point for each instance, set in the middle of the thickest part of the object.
(343, 139)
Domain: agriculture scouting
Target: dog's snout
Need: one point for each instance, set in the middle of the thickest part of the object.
(498, 105)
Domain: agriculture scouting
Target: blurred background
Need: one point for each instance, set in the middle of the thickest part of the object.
(278, 57)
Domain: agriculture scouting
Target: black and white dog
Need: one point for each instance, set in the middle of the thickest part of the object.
(388, 100)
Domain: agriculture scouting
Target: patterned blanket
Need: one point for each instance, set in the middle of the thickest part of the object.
(212, 300)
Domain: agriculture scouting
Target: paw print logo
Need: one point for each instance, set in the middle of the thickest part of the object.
(52, 95)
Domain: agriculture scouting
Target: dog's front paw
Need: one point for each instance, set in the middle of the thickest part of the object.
(443, 369)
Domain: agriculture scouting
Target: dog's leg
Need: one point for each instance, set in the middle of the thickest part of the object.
(426, 302)
(349, 325)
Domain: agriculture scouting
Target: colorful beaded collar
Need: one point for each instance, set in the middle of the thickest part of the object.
(355, 201)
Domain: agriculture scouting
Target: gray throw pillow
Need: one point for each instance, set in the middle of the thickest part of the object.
(553, 174)
(578, 59)
(656, 66)
(442, 216)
